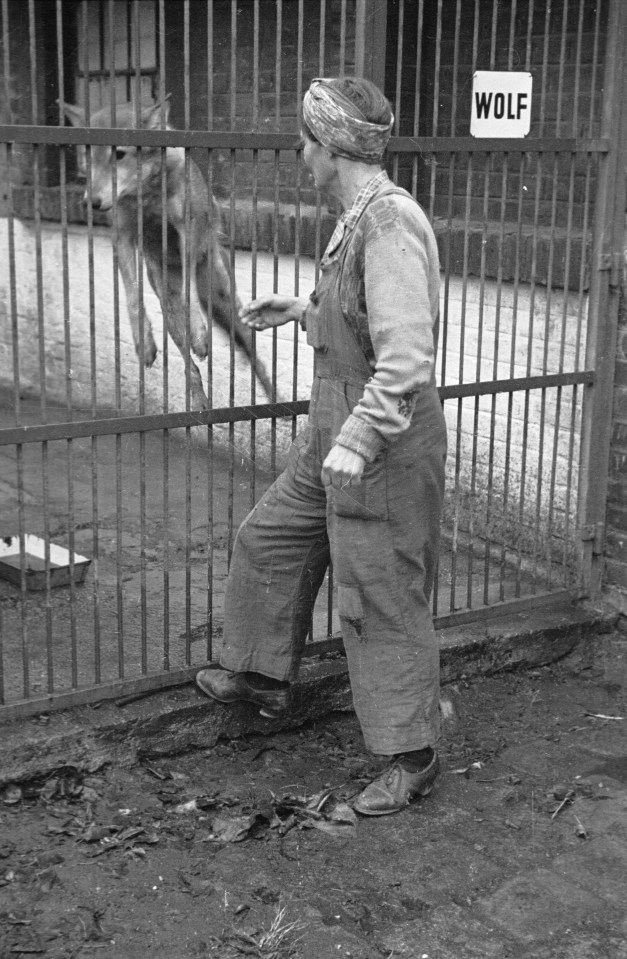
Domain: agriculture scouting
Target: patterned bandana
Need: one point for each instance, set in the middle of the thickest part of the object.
(339, 125)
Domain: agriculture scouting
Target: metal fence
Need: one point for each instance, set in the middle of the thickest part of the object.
(120, 496)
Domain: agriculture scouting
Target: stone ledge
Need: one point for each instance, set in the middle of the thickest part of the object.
(182, 719)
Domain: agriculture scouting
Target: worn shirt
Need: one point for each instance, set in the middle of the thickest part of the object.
(389, 292)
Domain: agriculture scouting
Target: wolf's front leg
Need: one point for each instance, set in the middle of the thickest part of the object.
(175, 318)
(197, 316)
(127, 263)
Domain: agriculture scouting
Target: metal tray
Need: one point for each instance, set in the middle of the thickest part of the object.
(35, 562)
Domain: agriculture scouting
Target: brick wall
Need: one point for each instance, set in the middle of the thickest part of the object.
(232, 105)
(567, 91)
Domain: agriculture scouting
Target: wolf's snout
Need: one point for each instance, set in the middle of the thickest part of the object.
(96, 203)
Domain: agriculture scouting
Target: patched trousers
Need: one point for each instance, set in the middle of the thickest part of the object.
(383, 538)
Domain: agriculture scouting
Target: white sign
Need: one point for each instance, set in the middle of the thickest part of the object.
(501, 104)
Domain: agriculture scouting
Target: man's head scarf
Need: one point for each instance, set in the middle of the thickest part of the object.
(339, 125)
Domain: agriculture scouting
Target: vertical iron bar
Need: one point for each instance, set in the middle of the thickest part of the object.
(92, 358)
(495, 375)
(399, 80)
(573, 431)
(15, 346)
(495, 401)
(41, 341)
(321, 73)
(565, 305)
(547, 335)
(342, 66)
(117, 359)
(67, 346)
(450, 213)
(255, 125)
(510, 396)
(254, 226)
(187, 266)
(209, 391)
(322, 37)
(579, 346)
(101, 50)
(142, 397)
(532, 298)
(233, 125)
(514, 331)
(457, 498)
(436, 108)
(558, 402)
(417, 94)
(480, 337)
(165, 436)
(297, 226)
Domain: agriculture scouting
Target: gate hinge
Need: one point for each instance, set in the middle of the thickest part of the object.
(594, 532)
(612, 262)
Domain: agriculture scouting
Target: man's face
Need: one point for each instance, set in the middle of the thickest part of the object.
(318, 161)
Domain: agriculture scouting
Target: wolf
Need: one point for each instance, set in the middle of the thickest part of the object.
(193, 238)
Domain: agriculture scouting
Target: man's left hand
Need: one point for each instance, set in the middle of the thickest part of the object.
(342, 467)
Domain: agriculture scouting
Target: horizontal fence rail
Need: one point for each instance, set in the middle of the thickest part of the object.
(211, 140)
(112, 426)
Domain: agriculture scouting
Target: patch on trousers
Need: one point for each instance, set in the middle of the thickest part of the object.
(407, 403)
(351, 610)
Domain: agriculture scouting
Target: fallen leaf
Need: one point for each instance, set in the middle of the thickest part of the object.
(11, 794)
(238, 828)
(96, 833)
(341, 821)
(89, 795)
(48, 878)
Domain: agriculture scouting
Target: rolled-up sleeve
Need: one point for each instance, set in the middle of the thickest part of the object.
(401, 285)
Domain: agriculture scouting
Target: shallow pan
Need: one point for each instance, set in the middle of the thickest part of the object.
(35, 562)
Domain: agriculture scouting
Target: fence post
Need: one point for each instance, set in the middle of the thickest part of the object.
(607, 250)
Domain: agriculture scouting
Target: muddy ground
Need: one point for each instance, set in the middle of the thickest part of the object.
(237, 851)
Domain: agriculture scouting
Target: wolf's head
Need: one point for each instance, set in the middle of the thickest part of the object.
(152, 116)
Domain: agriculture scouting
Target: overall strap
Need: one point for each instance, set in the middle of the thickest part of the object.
(389, 190)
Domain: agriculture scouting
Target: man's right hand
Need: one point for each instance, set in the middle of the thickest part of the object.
(272, 310)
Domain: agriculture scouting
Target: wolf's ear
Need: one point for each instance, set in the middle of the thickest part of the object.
(159, 112)
(75, 114)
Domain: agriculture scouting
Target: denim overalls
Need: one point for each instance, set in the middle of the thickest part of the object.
(382, 536)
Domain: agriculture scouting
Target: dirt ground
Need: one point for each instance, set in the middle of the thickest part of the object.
(238, 850)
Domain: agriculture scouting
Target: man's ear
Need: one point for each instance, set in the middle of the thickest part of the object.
(75, 114)
(157, 114)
